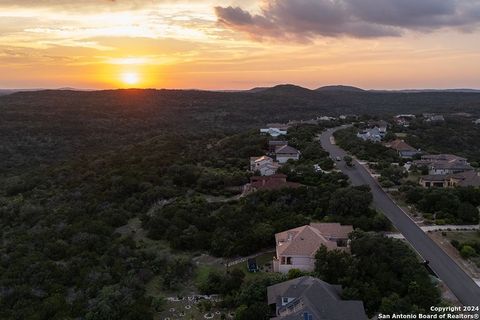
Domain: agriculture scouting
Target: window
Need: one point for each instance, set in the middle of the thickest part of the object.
(289, 260)
(342, 243)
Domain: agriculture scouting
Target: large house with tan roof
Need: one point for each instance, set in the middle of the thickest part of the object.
(444, 164)
(463, 179)
(404, 150)
(296, 248)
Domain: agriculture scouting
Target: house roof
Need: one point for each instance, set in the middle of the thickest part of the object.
(273, 182)
(286, 149)
(452, 165)
(281, 126)
(302, 241)
(306, 240)
(468, 178)
(440, 157)
(333, 230)
(444, 161)
(435, 117)
(405, 116)
(277, 143)
(399, 145)
(260, 159)
(463, 179)
(316, 297)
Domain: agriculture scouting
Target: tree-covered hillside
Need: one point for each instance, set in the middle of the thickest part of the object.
(77, 169)
(44, 127)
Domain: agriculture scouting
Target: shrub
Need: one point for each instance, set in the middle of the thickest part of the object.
(455, 243)
(467, 252)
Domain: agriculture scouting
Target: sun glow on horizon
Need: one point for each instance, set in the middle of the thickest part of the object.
(130, 78)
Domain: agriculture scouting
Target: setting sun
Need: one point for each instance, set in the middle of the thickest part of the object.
(130, 78)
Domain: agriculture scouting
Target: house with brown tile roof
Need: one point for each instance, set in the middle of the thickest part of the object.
(404, 150)
(273, 182)
(465, 179)
(296, 248)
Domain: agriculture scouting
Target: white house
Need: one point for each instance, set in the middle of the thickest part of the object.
(375, 134)
(265, 165)
(326, 118)
(433, 118)
(274, 132)
(404, 119)
(285, 153)
(296, 248)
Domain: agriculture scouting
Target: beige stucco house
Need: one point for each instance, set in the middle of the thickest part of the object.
(296, 248)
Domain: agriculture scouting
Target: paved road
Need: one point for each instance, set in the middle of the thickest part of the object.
(452, 275)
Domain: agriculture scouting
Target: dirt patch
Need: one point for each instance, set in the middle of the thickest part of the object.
(469, 267)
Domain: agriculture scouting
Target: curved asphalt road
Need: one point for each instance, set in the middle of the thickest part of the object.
(466, 290)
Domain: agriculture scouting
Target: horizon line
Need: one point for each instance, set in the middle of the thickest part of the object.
(67, 88)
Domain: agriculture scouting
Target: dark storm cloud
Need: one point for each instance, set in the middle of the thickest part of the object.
(306, 19)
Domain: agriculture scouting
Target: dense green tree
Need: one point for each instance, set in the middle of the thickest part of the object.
(257, 310)
(350, 201)
(468, 213)
(381, 272)
(332, 266)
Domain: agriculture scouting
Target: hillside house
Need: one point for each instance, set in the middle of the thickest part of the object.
(443, 164)
(326, 118)
(281, 126)
(273, 144)
(462, 179)
(296, 248)
(374, 135)
(403, 119)
(273, 182)
(264, 165)
(285, 153)
(309, 298)
(404, 150)
(274, 132)
(382, 125)
(433, 118)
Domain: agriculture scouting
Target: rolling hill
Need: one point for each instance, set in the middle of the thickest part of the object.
(339, 88)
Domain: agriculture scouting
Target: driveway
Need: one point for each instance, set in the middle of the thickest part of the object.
(466, 290)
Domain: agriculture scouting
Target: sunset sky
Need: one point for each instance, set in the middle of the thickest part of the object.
(238, 44)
